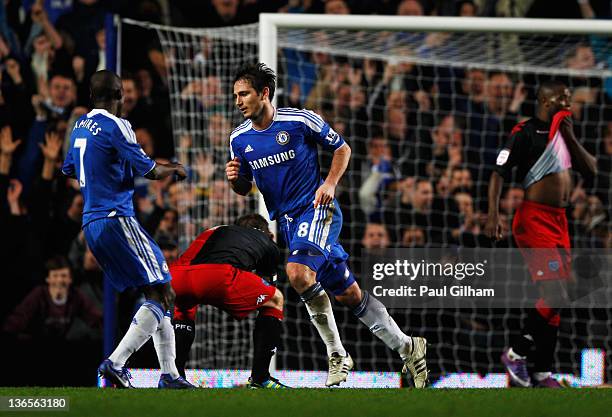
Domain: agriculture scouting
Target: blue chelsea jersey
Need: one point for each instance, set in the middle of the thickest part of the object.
(104, 157)
(283, 159)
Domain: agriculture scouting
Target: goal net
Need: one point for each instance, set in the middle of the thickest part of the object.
(414, 106)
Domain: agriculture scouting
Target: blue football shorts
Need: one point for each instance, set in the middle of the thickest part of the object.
(311, 235)
(128, 256)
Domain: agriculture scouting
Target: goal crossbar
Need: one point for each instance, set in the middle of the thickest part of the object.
(269, 23)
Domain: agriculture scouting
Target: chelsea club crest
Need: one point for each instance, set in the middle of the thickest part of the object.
(282, 138)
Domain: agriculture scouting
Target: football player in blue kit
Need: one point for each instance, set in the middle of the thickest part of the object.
(105, 157)
(278, 148)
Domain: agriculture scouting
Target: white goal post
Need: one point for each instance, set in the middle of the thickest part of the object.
(269, 23)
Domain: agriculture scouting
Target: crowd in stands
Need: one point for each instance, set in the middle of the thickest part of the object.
(422, 149)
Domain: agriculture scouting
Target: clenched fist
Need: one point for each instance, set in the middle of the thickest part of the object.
(232, 169)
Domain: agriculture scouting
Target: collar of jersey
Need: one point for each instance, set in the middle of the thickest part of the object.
(263, 130)
(98, 111)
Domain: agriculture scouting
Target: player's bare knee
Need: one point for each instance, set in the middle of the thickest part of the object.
(294, 271)
(300, 276)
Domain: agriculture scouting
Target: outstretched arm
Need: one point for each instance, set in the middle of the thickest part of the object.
(161, 171)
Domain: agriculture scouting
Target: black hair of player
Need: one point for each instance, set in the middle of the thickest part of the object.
(259, 75)
(254, 221)
(105, 87)
(57, 262)
(547, 88)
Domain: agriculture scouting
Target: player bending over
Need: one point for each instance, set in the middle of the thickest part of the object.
(278, 148)
(104, 157)
(543, 149)
(216, 270)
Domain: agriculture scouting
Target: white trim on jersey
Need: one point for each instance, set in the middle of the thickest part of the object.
(246, 126)
(285, 117)
(314, 117)
(131, 135)
(152, 168)
(124, 126)
(240, 129)
(240, 126)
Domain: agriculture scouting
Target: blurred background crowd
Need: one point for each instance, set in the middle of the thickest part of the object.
(424, 140)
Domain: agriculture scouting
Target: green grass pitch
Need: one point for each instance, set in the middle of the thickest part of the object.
(322, 402)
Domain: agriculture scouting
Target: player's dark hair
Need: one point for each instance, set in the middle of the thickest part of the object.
(104, 87)
(548, 87)
(57, 262)
(259, 75)
(254, 221)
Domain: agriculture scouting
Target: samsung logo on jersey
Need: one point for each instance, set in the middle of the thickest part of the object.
(272, 159)
(89, 125)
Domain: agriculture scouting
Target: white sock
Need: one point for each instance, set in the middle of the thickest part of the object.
(540, 376)
(165, 346)
(374, 314)
(144, 324)
(322, 316)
